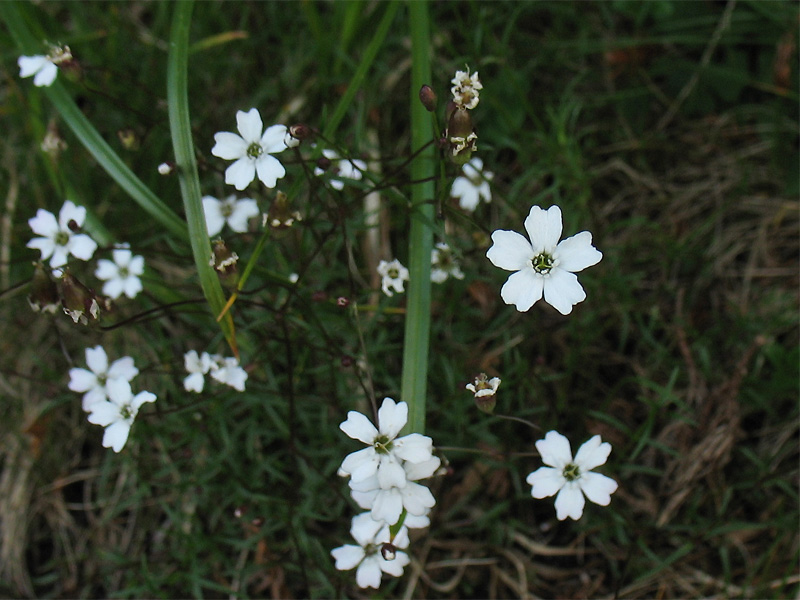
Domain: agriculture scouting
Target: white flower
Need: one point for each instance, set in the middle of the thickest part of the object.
(197, 367)
(58, 238)
(465, 89)
(94, 382)
(371, 536)
(122, 275)
(229, 372)
(165, 168)
(384, 453)
(118, 412)
(251, 150)
(571, 478)
(543, 265)
(42, 67)
(394, 274)
(234, 212)
(472, 185)
(443, 264)
(483, 387)
(387, 503)
(342, 169)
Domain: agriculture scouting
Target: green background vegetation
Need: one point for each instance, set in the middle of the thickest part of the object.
(667, 129)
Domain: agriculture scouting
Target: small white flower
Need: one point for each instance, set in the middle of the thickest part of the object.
(197, 367)
(235, 213)
(367, 556)
(342, 168)
(465, 89)
(543, 265)
(165, 168)
(229, 372)
(118, 412)
(387, 503)
(94, 382)
(58, 238)
(122, 275)
(384, 453)
(42, 67)
(294, 277)
(483, 386)
(251, 150)
(394, 274)
(443, 264)
(571, 479)
(472, 185)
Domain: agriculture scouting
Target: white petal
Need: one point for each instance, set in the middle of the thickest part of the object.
(576, 253)
(523, 289)
(359, 427)
(394, 567)
(70, 212)
(93, 396)
(116, 435)
(361, 464)
(106, 269)
(249, 125)
(368, 573)
(269, 170)
(123, 368)
(44, 223)
(81, 380)
(229, 146)
(422, 470)
(214, 219)
(240, 173)
(242, 212)
(365, 499)
(272, 140)
(122, 257)
(417, 499)
(364, 528)
(113, 288)
(466, 192)
(46, 76)
(545, 482)
(136, 266)
(570, 502)
(544, 228)
(562, 290)
(97, 360)
(191, 362)
(510, 251)
(347, 557)
(119, 391)
(194, 383)
(592, 453)
(59, 258)
(485, 192)
(413, 447)
(392, 417)
(28, 65)
(388, 505)
(142, 398)
(598, 488)
(555, 450)
(103, 413)
(45, 245)
(82, 246)
(390, 473)
(132, 286)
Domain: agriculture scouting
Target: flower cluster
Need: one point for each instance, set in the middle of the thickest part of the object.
(383, 480)
(107, 395)
(224, 370)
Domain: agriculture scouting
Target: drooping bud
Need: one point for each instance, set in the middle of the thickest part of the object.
(485, 391)
(224, 262)
(296, 134)
(388, 551)
(44, 292)
(428, 98)
(78, 301)
(281, 215)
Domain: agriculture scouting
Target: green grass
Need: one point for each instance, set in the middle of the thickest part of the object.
(684, 355)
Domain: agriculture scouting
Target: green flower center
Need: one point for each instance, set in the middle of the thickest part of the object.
(393, 273)
(62, 238)
(254, 150)
(123, 272)
(543, 263)
(226, 209)
(571, 472)
(382, 444)
(126, 412)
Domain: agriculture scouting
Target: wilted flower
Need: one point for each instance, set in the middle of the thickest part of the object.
(78, 301)
(251, 150)
(44, 291)
(444, 264)
(543, 265)
(235, 213)
(117, 413)
(59, 238)
(571, 479)
(93, 381)
(122, 275)
(394, 275)
(472, 185)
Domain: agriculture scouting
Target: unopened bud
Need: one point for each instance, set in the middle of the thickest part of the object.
(388, 551)
(166, 168)
(78, 301)
(300, 131)
(44, 292)
(224, 262)
(324, 163)
(428, 98)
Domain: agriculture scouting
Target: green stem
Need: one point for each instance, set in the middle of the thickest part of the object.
(88, 135)
(418, 317)
(180, 128)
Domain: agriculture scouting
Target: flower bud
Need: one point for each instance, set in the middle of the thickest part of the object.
(44, 292)
(388, 551)
(224, 262)
(78, 301)
(428, 98)
(166, 168)
(300, 131)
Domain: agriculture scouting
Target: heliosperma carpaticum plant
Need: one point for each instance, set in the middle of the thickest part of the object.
(384, 478)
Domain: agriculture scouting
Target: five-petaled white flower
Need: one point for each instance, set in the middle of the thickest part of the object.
(251, 150)
(341, 168)
(444, 264)
(571, 479)
(117, 413)
(94, 380)
(385, 451)
(543, 265)
(394, 275)
(228, 371)
(234, 212)
(59, 239)
(197, 367)
(370, 556)
(122, 275)
(483, 386)
(465, 89)
(472, 185)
